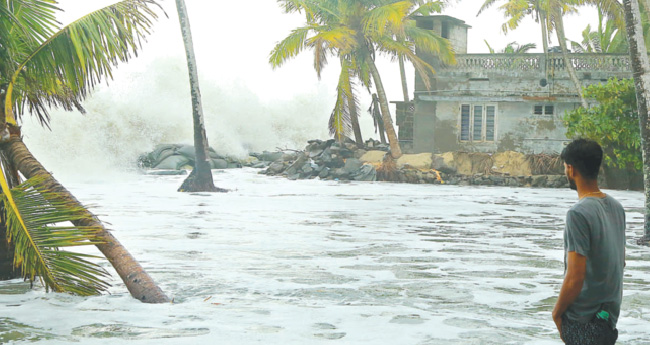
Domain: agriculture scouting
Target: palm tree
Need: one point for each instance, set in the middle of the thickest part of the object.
(512, 48)
(435, 6)
(516, 10)
(550, 13)
(641, 72)
(43, 66)
(607, 39)
(200, 179)
(324, 39)
(361, 29)
(556, 9)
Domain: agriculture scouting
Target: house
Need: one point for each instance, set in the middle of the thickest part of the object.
(496, 102)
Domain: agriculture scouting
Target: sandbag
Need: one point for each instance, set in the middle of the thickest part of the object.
(173, 162)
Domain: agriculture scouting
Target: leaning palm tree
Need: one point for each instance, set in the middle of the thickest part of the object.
(44, 66)
(325, 40)
(384, 27)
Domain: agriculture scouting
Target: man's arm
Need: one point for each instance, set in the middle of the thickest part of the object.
(571, 287)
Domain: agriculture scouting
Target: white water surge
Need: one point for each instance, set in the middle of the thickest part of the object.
(290, 262)
(315, 262)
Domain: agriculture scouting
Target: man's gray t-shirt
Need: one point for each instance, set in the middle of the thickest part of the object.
(595, 228)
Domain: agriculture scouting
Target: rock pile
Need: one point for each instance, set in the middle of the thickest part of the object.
(327, 160)
(331, 160)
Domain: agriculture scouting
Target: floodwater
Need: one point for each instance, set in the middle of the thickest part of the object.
(322, 262)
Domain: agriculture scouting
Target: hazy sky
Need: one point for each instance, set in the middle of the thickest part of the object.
(232, 41)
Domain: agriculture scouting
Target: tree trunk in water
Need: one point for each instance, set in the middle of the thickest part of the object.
(137, 281)
(402, 73)
(354, 118)
(200, 180)
(393, 141)
(559, 29)
(641, 73)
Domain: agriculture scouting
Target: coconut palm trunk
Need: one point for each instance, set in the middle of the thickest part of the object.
(402, 74)
(393, 141)
(542, 19)
(137, 281)
(641, 73)
(561, 37)
(200, 180)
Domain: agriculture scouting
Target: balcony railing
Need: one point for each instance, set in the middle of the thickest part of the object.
(583, 62)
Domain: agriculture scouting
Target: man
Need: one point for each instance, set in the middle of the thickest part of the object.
(587, 309)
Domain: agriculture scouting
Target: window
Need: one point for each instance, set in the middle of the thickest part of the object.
(464, 122)
(490, 113)
(546, 109)
(477, 122)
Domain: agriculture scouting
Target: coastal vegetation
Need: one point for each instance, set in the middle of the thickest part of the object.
(613, 123)
(355, 32)
(44, 66)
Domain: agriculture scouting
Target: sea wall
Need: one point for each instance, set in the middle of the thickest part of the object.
(330, 160)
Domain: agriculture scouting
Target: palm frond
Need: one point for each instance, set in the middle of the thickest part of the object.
(291, 46)
(31, 21)
(489, 47)
(427, 8)
(514, 13)
(381, 18)
(340, 123)
(35, 218)
(405, 49)
(525, 48)
(430, 42)
(83, 53)
(487, 4)
(577, 47)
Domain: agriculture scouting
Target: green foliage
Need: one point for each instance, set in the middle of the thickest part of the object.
(512, 48)
(354, 31)
(36, 226)
(44, 65)
(614, 123)
(608, 39)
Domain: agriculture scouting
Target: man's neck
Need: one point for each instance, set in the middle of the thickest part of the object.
(588, 188)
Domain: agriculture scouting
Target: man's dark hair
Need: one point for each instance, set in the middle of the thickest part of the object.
(584, 155)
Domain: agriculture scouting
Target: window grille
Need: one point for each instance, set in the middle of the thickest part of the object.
(478, 122)
(464, 122)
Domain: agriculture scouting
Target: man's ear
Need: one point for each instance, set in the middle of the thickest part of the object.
(570, 171)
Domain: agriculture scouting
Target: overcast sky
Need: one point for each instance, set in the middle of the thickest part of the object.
(233, 41)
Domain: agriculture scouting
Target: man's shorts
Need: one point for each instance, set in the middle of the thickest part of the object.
(595, 332)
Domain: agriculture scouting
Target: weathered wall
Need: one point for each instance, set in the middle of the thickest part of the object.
(437, 126)
(424, 123)
(515, 84)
